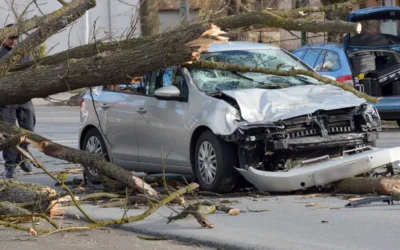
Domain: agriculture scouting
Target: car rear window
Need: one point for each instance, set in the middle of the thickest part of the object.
(311, 56)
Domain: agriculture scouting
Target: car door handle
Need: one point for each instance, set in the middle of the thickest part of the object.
(104, 106)
(141, 110)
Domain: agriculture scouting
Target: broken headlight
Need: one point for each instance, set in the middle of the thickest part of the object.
(232, 114)
(371, 118)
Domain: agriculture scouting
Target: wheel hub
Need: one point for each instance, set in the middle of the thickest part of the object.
(207, 162)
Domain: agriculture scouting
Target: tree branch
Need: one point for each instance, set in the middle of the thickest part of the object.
(294, 72)
(30, 24)
(42, 34)
(82, 157)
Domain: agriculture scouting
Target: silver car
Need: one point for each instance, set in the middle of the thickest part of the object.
(276, 131)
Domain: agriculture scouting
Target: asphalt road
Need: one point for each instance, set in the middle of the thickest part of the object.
(289, 224)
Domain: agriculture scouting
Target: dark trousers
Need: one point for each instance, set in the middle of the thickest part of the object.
(25, 115)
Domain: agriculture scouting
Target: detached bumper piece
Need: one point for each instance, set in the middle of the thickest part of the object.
(388, 199)
(323, 172)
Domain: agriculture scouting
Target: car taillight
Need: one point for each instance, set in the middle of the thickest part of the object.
(346, 80)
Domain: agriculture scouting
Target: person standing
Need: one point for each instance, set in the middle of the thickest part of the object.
(23, 113)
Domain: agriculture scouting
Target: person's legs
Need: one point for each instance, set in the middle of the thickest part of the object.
(27, 120)
(7, 114)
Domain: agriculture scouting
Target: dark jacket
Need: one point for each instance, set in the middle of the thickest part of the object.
(6, 51)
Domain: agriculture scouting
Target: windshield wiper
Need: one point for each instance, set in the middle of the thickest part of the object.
(303, 79)
(245, 77)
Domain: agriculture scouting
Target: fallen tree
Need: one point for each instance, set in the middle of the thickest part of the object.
(259, 19)
(82, 157)
(376, 186)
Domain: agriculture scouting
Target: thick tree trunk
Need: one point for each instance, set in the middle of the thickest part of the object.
(377, 186)
(82, 157)
(109, 68)
(42, 34)
(21, 192)
(149, 18)
(230, 23)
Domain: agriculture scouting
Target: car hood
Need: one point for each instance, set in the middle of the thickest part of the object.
(271, 105)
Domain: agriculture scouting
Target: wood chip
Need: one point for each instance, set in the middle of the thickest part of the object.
(234, 211)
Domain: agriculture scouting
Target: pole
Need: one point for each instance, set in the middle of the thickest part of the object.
(184, 12)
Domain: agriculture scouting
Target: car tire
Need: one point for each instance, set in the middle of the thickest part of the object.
(92, 142)
(398, 122)
(221, 158)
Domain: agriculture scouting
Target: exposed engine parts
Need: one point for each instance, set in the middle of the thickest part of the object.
(293, 142)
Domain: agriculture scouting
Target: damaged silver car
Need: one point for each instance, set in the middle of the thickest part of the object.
(280, 133)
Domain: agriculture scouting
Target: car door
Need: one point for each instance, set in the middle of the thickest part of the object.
(160, 124)
(120, 125)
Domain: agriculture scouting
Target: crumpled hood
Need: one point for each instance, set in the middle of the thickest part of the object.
(271, 105)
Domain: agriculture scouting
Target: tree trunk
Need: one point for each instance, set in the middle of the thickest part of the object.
(42, 34)
(21, 192)
(149, 18)
(230, 23)
(109, 68)
(377, 186)
(82, 157)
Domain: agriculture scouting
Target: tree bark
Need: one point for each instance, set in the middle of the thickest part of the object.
(12, 141)
(42, 34)
(81, 157)
(149, 18)
(21, 192)
(377, 186)
(8, 208)
(109, 68)
(339, 9)
(248, 20)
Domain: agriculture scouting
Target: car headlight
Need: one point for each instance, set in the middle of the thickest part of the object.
(371, 115)
(232, 114)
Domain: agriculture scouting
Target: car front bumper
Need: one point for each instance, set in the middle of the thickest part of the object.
(322, 173)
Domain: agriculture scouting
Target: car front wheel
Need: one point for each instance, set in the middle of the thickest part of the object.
(215, 162)
(94, 143)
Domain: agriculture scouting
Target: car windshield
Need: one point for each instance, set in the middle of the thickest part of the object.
(380, 32)
(217, 80)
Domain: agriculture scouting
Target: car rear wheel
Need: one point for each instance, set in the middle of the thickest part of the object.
(94, 143)
(215, 162)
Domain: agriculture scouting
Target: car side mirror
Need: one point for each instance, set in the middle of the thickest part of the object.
(167, 93)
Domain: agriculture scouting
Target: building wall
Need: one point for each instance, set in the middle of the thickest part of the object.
(170, 18)
(291, 40)
(108, 17)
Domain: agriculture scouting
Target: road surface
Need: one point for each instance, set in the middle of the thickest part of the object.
(289, 223)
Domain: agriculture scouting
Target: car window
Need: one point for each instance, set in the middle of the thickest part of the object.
(319, 62)
(331, 62)
(135, 86)
(166, 77)
(311, 56)
(299, 53)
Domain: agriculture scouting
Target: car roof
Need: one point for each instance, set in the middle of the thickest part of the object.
(334, 46)
(377, 12)
(230, 46)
